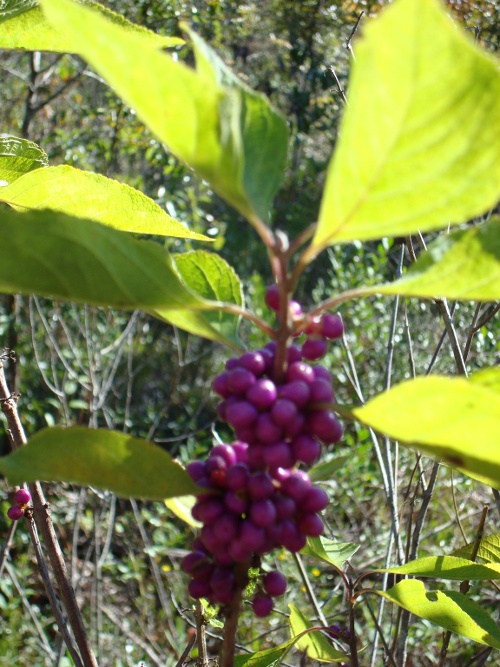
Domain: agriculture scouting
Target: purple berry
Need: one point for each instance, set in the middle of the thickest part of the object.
(22, 497)
(222, 579)
(291, 538)
(241, 414)
(296, 391)
(196, 470)
(295, 308)
(225, 452)
(199, 588)
(262, 394)
(315, 500)
(237, 477)
(283, 411)
(239, 381)
(300, 371)
(235, 503)
(220, 385)
(231, 364)
(262, 605)
(321, 391)
(285, 507)
(260, 486)
(251, 537)
(262, 513)
(320, 372)
(256, 458)
(275, 583)
(253, 362)
(310, 524)
(314, 348)
(266, 430)
(296, 425)
(15, 512)
(208, 510)
(214, 463)
(325, 426)
(272, 297)
(332, 326)
(294, 354)
(296, 485)
(278, 455)
(305, 449)
(240, 450)
(225, 527)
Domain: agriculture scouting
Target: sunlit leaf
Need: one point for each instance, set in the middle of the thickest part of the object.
(451, 419)
(447, 567)
(450, 610)
(29, 30)
(330, 551)
(181, 507)
(105, 459)
(489, 549)
(462, 265)
(419, 144)
(92, 196)
(51, 254)
(17, 157)
(315, 644)
(221, 131)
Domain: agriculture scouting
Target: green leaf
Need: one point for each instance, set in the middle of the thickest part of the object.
(489, 549)
(222, 131)
(17, 157)
(52, 254)
(264, 131)
(451, 419)
(330, 551)
(268, 658)
(105, 459)
(325, 470)
(462, 265)
(11, 8)
(447, 567)
(449, 610)
(419, 144)
(315, 644)
(92, 196)
(212, 278)
(30, 30)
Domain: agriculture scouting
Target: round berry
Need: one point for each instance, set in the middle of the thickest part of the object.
(199, 588)
(272, 297)
(262, 394)
(296, 391)
(266, 430)
(275, 583)
(219, 385)
(283, 411)
(15, 512)
(310, 524)
(325, 426)
(237, 477)
(241, 414)
(260, 486)
(299, 371)
(240, 380)
(225, 452)
(253, 362)
(315, 500)
(321, 391)
(305, 448)
(263, 513)
(314, 348)
(262, 605)
(332, 326)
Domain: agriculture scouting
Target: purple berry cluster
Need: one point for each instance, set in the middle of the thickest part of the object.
(21, 500)
(257, 499)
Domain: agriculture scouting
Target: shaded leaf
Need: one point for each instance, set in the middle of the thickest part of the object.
(315, 643)
(451, 419)
(31, 31)
(447, 567)
(17, 157)
(87, 195)
(52, 254)
(105, 459)
(449, 610)
(268, 658)
(489, 549)
(462, 265)
(427, 153)
(324, 471)
(11, 8)
(330, 551)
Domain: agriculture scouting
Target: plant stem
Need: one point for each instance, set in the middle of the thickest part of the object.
(201, 636)
(232, 615)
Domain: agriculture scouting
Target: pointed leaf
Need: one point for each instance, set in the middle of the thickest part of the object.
(447, 567)
(324, 471)
(17, 157)
(449, 610)
(267, 658)
(452, 419)
(419, 145)
(11, 8)
(217, 130)
(489, 549)
(315, 644)
(105, 459)
(92, 196)
(462, 265)
(30, 30)
(330, 551)
(52, 254)
(264, 131)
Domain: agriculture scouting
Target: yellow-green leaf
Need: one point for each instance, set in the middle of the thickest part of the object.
(315, 644)
(419, 144)
(92, 196)
(450, 610)
(17, 157)
(451, 419)
(450, 568)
